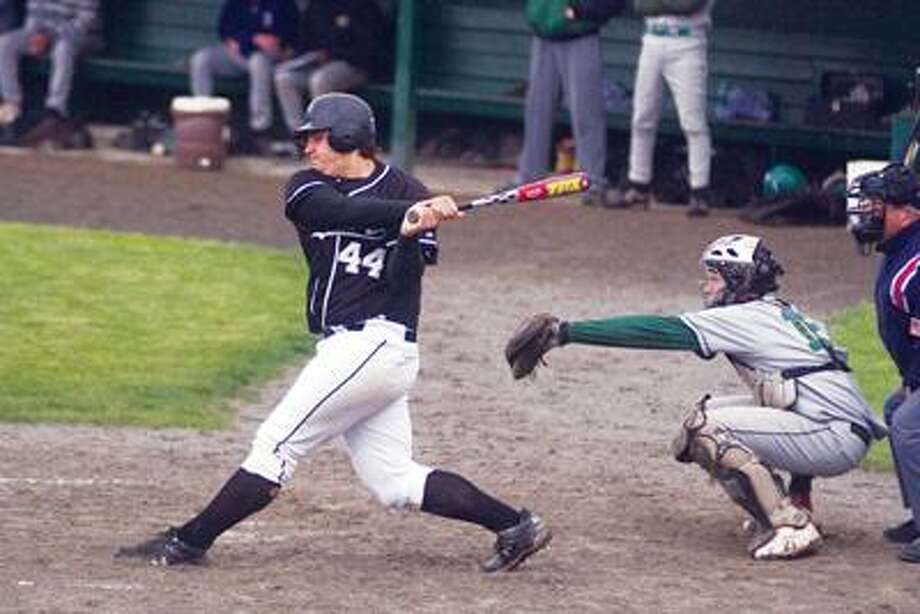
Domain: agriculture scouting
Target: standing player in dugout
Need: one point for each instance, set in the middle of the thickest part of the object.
(803, 414)
(366, 261)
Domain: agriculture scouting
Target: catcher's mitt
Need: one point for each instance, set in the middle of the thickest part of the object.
(533, 338)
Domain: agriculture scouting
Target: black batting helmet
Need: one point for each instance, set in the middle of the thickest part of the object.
(348, 118)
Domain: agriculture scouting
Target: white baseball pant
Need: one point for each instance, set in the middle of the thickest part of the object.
(356, 386)
(681, 63)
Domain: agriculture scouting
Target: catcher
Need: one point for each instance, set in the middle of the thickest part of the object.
(802, 414)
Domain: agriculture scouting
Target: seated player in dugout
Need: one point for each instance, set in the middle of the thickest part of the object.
(364, 227)
(802, 412)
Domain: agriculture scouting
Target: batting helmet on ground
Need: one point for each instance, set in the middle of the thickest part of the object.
(348, 118)
(783, 181)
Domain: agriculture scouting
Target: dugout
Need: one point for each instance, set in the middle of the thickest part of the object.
(468, 58)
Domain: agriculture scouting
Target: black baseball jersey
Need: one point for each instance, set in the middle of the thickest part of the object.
(360, 266)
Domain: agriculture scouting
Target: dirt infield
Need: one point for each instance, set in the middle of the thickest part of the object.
(585, 444)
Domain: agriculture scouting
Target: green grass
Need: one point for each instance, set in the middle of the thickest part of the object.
(106, 328)
(854, 328)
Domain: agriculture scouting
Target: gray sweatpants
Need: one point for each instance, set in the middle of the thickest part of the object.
(574, 68)
(63, 54)
(306, 75)
(217, 61)
(787, 441)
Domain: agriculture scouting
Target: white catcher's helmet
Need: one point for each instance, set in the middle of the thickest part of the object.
(747, 266)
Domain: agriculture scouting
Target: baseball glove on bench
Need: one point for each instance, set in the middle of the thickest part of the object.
(533, 338)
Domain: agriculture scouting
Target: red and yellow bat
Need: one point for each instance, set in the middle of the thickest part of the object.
(548, 187)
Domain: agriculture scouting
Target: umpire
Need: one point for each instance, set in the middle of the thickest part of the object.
(365, 229)
(883, 214)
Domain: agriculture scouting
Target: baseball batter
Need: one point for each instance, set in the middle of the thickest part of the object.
(363, 297)
(674, 49)
(802, 414)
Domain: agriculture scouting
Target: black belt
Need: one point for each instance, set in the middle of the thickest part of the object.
(797, 372)
(861, 432)
(410, 335)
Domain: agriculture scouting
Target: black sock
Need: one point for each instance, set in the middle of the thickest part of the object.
(452, 496)
(243, 495)
(642, 188)
(700, 192)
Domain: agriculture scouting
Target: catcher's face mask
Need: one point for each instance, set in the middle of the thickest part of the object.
(746, 267)
(712, 286)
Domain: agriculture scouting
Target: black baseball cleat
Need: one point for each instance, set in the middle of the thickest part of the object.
(699, 204)
(911, 552)
(517, 543)
(904, 533)
(163, 550)
(617, 198)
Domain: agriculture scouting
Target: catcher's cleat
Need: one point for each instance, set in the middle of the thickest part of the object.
(751, 527)
(517, 543)
(163, 550)
(786, 543)
(904, 533)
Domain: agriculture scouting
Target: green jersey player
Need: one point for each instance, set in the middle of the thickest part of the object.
(801, 412)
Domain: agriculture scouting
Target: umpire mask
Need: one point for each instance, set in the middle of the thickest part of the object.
(871, 194)
(747, 267)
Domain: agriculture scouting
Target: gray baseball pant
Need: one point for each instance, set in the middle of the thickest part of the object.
(217, 61)
(902, 414)
(574, 67)
(63, 55)
(787, 441)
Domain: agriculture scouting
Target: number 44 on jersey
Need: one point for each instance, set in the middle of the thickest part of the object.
(372, 262)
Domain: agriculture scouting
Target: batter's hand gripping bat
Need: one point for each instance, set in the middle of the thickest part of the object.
(548, 187)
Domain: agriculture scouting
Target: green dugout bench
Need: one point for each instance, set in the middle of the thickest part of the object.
(470, 58)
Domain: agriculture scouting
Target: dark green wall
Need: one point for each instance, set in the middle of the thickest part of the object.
(879, 19)
(872, 19)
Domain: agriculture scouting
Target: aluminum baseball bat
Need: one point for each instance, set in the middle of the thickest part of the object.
(549, 187)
